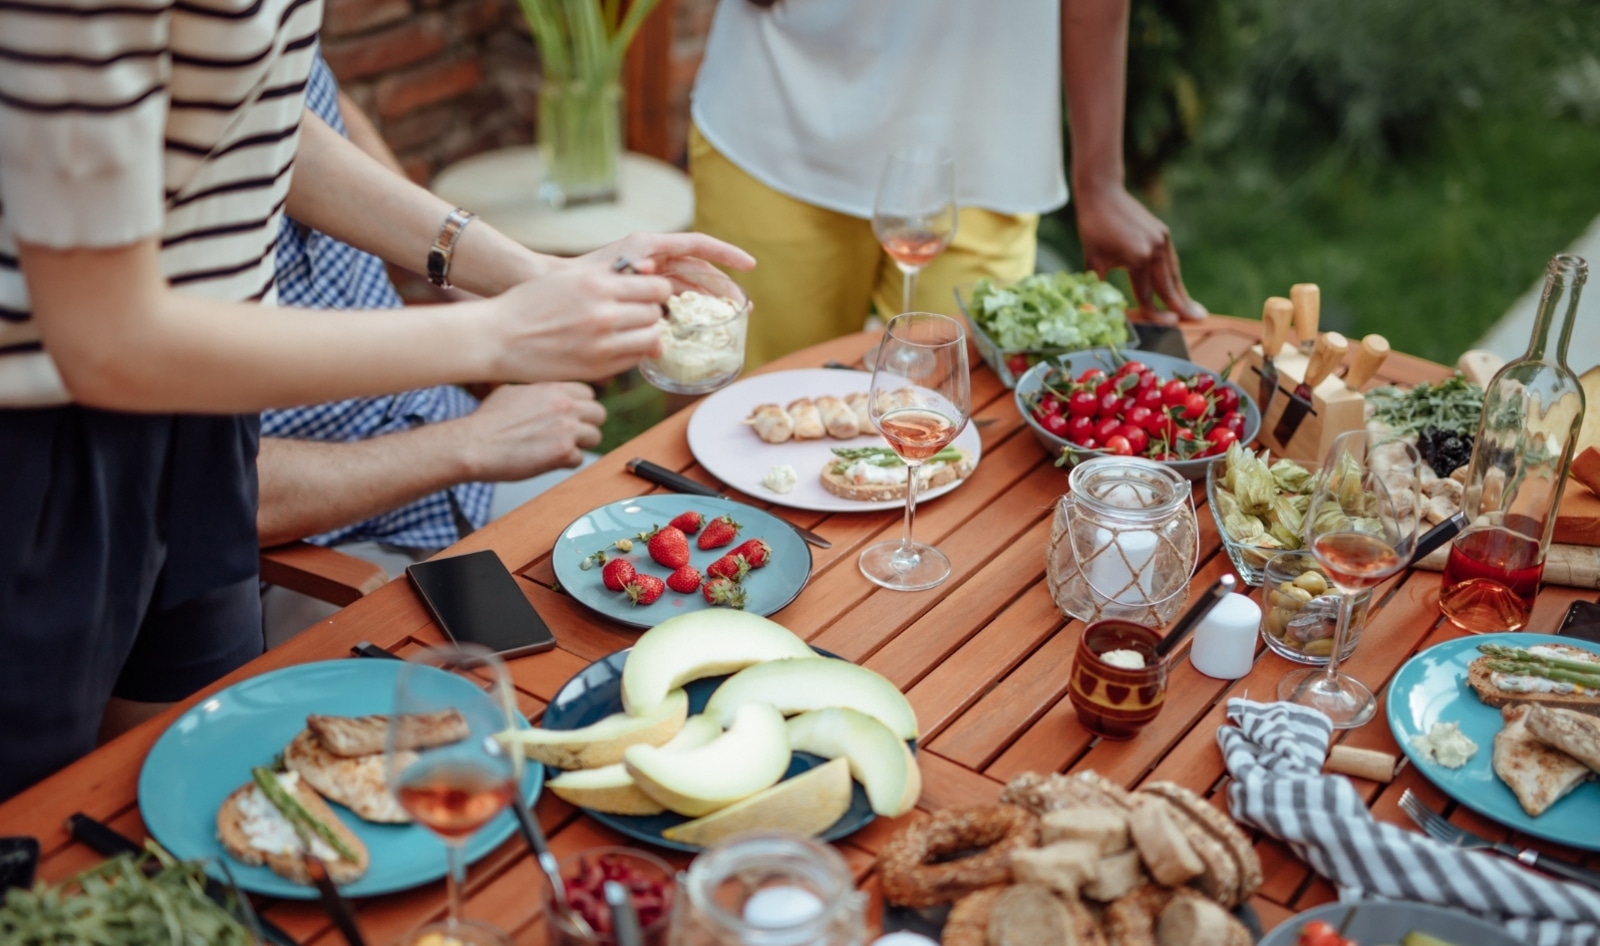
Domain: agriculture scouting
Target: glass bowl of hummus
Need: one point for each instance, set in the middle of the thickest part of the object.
(702, 330)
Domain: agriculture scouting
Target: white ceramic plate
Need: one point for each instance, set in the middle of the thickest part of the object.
(730, 450)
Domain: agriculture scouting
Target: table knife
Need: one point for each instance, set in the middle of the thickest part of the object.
(1274, 329)
(1306, 299)
(661, 476)
(103, 839)
(1327, 354)
(1369, 357)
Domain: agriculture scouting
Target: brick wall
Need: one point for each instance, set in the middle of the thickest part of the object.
(444, 79)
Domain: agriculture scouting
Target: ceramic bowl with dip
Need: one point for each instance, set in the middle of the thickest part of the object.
(1118, 683)
(702, 330)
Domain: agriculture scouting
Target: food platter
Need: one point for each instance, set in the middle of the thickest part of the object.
(596, 692)
(1388, 921)
(208, 752)
(768, 589)
(725, 445)
(1431, 687)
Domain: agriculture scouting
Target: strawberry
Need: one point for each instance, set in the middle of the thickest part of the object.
(617, 573)
(669, 547)
(719, 532)
(724, 591)
(690, 522)
(730, 566)
(644, 589)
(685, 581)
(755, 551)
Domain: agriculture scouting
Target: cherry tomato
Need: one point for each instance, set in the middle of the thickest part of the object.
(1174, 392)
(1125, 405)
(1227, 399)
(1107, 386)
(1203, 383)
(1119, 445)
(1088, 443)
(1132, 367)
(1162, 426)
(1147, 380)
(1184, 433)
(1136, 437)
(1091, 376)
(1195, 406)
(1234, 421)
(1106, 405)
(1018, 364)
(1080, 428)
(1106, 427)
(1082, 404)
(1319, 933)
(1049, 404)
(1149, 397)
(1137, 416)
(1054, 423)
(1222, 438)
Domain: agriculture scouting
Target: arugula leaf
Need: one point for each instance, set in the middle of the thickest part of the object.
(1453, 404)
(1052, 310)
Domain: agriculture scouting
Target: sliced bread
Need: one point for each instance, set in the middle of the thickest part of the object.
(286, 860)
(1224, 829)
(1481, 679)
(838, 481)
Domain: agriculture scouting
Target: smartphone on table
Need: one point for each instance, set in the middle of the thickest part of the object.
(1582, 621)
(477, 601)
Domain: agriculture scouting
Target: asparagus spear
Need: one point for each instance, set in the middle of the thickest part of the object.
(883, 456)
(1589, 681)
(295, 812)
(1518, 654)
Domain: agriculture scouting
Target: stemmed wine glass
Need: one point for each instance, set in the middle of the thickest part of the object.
(919, 400)
(1362, 528)
(445, 765)
(914, 215)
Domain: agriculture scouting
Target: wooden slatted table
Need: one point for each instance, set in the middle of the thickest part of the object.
(983, 658)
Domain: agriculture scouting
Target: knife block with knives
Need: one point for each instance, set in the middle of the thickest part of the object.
(1304, 403)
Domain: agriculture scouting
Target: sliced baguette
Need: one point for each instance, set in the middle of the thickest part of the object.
(1220, 827)
(1479, 677)
(842, 486)
(1163, 845)
(288, 864)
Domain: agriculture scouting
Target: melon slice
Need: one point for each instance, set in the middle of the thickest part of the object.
(796, 686)
(610, 789)
(700, 644)
(807, 804)
(752, 755)
(879, 759)
(602, 743)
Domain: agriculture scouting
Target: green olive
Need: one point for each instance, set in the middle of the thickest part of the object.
(1313, 583)
(1278, 622)
(1322, 647)
(1299, 594)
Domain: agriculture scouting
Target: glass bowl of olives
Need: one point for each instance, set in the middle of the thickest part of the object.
(1300, 609)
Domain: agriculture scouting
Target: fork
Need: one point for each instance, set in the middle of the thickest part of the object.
(1435, 826)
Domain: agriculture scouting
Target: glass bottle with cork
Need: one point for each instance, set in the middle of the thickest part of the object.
(1532, 410)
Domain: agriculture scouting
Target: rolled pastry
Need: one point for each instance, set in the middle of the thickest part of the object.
(858, 403)
(837, 417)
(807, 420)
(771, 423)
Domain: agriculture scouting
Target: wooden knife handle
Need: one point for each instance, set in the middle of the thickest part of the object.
(1307, 301)
(1326, 356)
(1369, 357)
(1275, 325)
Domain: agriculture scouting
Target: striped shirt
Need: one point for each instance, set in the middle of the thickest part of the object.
(125, 119)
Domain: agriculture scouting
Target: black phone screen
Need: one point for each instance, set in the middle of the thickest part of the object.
(1162, 339)
(1582, 621)
(18, 859)
(476, 601)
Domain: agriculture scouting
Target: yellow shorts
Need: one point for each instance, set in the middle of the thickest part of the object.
(819, 274)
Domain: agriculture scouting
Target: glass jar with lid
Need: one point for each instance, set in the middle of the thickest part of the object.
(774, 889)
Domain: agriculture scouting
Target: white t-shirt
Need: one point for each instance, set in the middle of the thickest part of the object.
(810, 96)
(123, 119)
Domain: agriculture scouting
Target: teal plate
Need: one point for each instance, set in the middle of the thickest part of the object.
(596, 692)
(1432, 687)
(767, 589)
(208, 752)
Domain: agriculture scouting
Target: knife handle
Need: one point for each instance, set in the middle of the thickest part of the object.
(1275, 325)
(1327, 354)
(1439, 535)
(1307, 301)
(1560, 868)
(1369, 356)
(661, 476)
(100, 838)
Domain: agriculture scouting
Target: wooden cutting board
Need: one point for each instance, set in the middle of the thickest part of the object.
(1578, 520)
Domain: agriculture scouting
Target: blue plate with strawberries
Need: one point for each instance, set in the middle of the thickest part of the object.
(589, 547)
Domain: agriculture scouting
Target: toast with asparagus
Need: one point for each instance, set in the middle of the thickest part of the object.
(1554, 675)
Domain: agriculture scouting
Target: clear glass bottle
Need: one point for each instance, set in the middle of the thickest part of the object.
(768, 890)
(1532, 411)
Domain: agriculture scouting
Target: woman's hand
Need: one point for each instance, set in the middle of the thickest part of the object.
(580, 322)
(648, 251)
(1118, 232)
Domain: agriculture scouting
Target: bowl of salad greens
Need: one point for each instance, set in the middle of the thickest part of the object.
(1017, 325)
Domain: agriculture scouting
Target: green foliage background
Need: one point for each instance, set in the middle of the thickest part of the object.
(1420, 159)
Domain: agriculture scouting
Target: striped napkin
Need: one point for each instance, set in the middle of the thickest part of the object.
(1275, 756)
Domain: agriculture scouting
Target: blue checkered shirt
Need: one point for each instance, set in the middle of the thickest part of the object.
(318, 272)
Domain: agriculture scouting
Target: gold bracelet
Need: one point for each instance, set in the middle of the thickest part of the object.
(444, 246)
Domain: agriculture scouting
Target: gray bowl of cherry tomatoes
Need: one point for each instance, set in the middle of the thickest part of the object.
(1102, 401)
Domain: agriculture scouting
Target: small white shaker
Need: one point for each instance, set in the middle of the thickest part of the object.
(1225, 642)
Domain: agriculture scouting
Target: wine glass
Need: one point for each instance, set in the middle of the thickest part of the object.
(914, 215)
(1362, 528)
(444, 764)
(919, 400)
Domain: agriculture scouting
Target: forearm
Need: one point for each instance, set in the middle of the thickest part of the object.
(365, 135)
(310, 487)
(350, 196)
(1094, 64)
